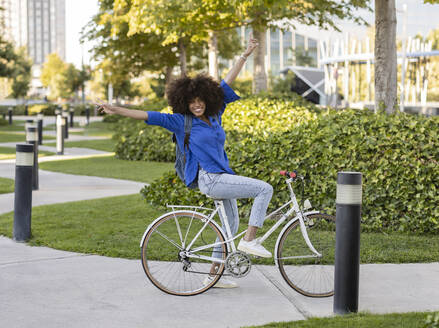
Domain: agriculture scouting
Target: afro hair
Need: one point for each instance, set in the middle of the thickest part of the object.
(182, 91)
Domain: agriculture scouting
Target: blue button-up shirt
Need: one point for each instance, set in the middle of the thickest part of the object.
(206, 143)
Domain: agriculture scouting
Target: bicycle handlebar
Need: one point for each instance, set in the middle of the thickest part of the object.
(291, 175)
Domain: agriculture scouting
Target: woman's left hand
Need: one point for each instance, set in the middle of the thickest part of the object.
(252, 44)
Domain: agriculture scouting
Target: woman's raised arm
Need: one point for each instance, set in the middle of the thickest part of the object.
(233, 73)
(133, 113)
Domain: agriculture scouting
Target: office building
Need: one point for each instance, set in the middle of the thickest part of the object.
(37, 24)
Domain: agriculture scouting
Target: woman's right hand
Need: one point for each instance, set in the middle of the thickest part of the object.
(104, 107)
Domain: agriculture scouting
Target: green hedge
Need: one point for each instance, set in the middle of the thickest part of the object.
(397, 154)
(139, 142)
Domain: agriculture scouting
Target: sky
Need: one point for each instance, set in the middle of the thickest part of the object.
(78, 14)
(421, 18)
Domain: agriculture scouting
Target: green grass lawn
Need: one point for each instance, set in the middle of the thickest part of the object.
(17, 125)
(93, 129)
(9, 153)
(97, 129)
(114, 226)
(361, 320)
(110, 167)
(10, 136)
(104, 144)
(6, 185)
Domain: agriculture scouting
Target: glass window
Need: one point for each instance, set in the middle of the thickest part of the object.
(312, 51)
(300, 41)
(300, 52)
(287, 48)
(274, 52)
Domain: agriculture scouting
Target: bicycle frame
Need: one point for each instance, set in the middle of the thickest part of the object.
(230, 239)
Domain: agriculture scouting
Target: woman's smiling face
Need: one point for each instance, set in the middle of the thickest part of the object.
(197, 107)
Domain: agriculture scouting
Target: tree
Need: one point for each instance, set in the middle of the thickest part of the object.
(7, 58)
(135, 53)
(385, 55)
(53, 76)
(147, 49)
(180, 23)
(114, 74)
(21, 75)
(72, 76)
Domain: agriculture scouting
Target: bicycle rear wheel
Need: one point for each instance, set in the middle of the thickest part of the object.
(305, 272)
(162, 253)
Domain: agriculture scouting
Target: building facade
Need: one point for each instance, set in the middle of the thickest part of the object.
(284, 48)
(37, 24)
(40, 26)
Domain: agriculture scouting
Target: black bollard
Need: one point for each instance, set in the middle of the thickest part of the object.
(32, 138)
(23, 192)
(87, 115)
(66, 125)
(347, 243)
(10, 115)
(26, 110)
(40, 128)
(59, 135)
(72, 114)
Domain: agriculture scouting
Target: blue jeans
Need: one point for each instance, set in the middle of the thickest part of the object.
(229, 187)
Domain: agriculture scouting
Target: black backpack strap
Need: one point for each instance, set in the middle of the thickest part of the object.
(187, 130)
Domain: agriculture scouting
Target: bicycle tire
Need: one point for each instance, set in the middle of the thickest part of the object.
(310, 276)
(162, 260)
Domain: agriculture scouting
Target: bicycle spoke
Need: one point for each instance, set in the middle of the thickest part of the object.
(187, 230)
(179, 231)
(168, 239)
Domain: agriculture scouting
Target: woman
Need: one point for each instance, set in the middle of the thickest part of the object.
(206, 160)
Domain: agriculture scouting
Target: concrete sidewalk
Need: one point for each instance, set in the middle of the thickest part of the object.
(45, 287)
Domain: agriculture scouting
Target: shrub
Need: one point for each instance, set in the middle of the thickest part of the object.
(137, 141)
(46, 109)
(243, 86)
(397, 154)
(16, 110)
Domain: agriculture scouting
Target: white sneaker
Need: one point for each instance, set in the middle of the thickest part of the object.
(222, 283)
(253, 247)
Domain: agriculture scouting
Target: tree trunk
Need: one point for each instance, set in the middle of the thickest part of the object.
(259, 75)
(213, 55)
(183, 64)
(168, 77)
(385, 55)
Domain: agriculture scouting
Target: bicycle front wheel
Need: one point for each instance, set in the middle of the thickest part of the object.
(167, 258)
(307, 273)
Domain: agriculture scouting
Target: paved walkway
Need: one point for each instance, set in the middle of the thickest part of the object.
(40, 286)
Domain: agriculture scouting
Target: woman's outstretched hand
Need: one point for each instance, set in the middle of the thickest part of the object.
(104, 107)
(252, 44)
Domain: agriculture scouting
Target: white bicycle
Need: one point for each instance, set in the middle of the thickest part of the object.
(304, 250)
